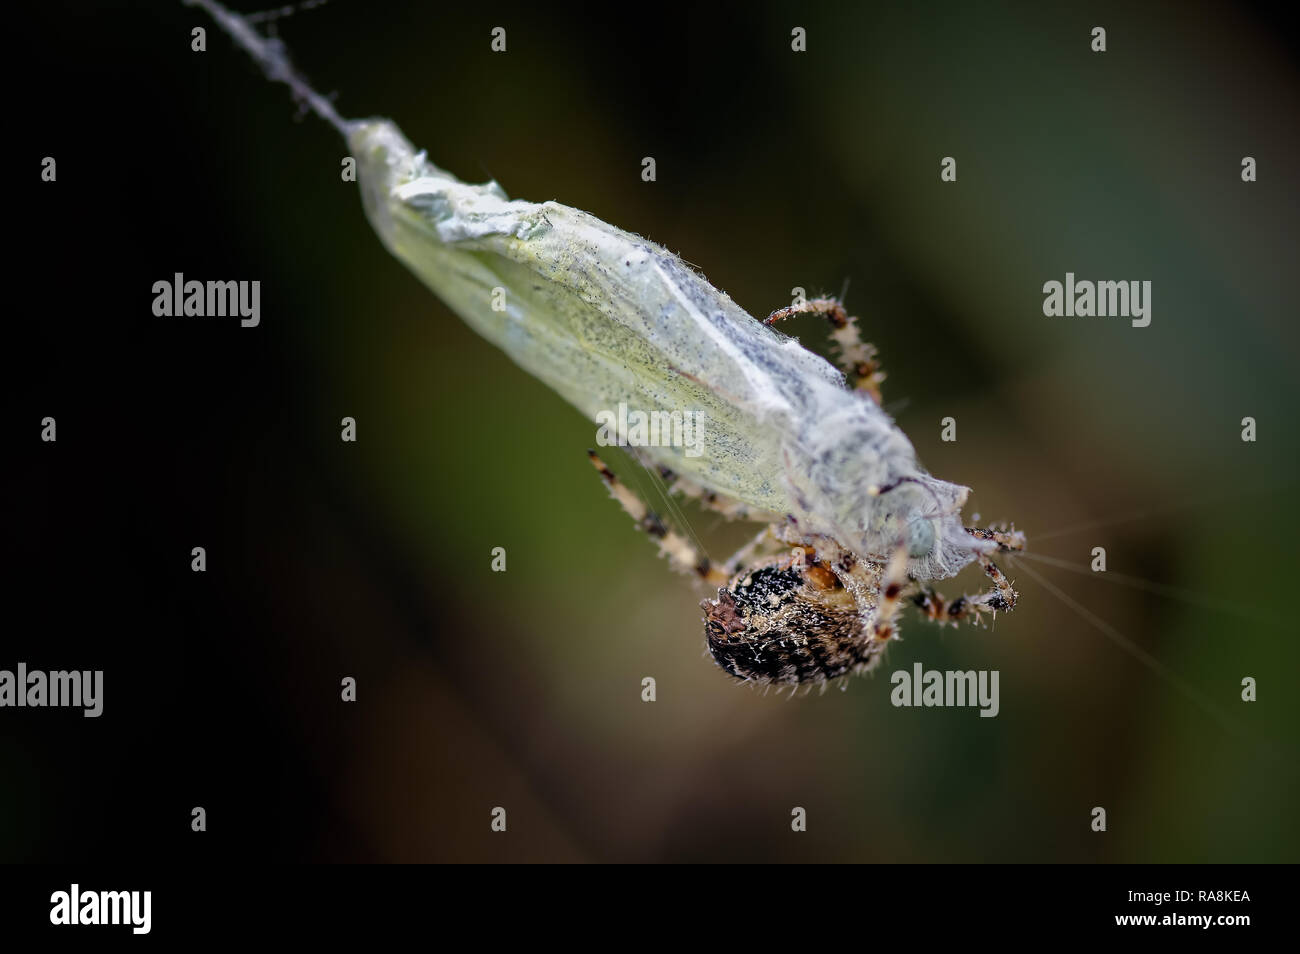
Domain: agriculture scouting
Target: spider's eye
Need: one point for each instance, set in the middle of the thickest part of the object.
(920, 537)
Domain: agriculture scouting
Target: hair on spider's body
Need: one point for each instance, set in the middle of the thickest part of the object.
(782, 623)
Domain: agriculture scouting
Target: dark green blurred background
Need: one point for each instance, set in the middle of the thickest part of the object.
(522, 689)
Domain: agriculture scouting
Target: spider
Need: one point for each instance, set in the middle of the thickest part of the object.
(795, 608)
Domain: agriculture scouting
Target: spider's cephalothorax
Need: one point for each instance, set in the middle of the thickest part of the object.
(788, 621)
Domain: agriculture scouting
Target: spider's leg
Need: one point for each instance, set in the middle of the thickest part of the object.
(856, 357)
(1008, 541)
(745, 555)
(682, 555)
(864, 579)
(729, 507)
(889, 599)
(1001, 597)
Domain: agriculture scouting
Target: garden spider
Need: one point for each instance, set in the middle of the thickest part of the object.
(795, 608)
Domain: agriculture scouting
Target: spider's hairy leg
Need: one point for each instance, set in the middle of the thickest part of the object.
(877, 589)
(680, 552)
(861, 578)
(1001, 597)
(1008, 541)
(857, 357)
(890, 599)
(719, 503)
(747, 554)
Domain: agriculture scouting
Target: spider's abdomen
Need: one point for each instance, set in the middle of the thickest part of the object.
(788, 624)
